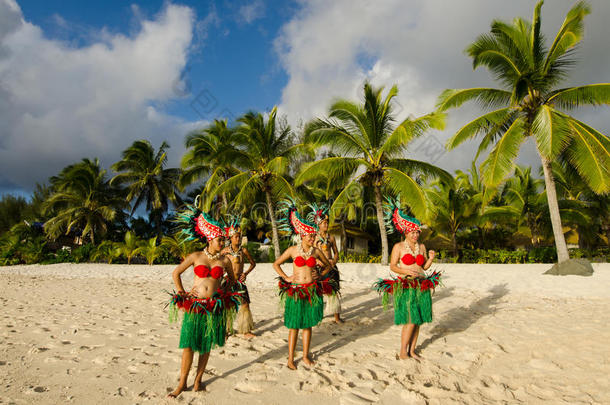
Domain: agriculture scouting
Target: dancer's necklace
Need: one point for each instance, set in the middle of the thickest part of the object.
(211, 256)
(410, 250)
(303, 253)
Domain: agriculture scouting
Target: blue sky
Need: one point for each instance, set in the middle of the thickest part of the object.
(85, 80)
(233, 61)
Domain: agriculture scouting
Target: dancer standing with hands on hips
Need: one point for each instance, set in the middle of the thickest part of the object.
(207, 308)
(411, 289)
(300, 294)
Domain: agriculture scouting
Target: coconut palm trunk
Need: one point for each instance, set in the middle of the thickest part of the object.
(551, 195)
(276, 237)
(382, 230)
(344, 239)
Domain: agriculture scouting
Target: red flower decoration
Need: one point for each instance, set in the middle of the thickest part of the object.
(420, 260)
(408, 259)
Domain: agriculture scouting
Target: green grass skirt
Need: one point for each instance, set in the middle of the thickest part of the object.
(299, 313)
(411, 305)
(203, 331)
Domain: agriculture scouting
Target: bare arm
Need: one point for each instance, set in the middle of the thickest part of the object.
(283, 257)
(250, 259)
(318, 254)
(228, 266)
(429, 257)
(181, 268)
(333, 246)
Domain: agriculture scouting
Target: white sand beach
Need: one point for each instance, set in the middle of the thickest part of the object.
(89, 333)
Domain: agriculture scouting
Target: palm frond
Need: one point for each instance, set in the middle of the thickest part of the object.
(402, 184)
(552, 132)
(592, 94)
(480, 125)
(486, 97)
(589, 153)
(500, 161)
(332, 167)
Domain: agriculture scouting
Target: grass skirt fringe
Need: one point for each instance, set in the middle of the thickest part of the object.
(410, 296)
(303, 304)
(205, 319)
(331, 289)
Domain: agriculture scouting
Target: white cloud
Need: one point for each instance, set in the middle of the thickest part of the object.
(329, 48)
(251, 12)
(60, 103)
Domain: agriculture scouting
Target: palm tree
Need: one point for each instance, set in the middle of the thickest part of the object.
(147, 180)
(129, 246)
(480, 197)
(107, 250)
(268, 153)
(525, 204)
(178, 247)
(370, 149)
(150, 250)
(212, 154)
(452, 210)
(530, 106)
(82, 199)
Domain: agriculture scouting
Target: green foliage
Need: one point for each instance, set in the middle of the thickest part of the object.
(150, 250)
(358, 258)
(83, 253)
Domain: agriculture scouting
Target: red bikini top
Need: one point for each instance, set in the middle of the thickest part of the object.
(409, 259)
(300, 261)
(204, 271)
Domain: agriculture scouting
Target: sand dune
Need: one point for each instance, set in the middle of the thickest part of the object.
(99, 334)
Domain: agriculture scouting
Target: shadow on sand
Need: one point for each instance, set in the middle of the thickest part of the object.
(330, 340)
(459, 319)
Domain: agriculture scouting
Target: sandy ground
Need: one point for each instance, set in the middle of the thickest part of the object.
(86, 334)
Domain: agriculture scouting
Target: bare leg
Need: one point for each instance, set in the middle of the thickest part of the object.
(405, 337)
(244, 321)
(185, 366)
(306, 343)
(338, 318)
(413, 343)
(203, 361)
(293, 335)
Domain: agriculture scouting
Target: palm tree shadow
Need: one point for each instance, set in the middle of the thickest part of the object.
(459, 319)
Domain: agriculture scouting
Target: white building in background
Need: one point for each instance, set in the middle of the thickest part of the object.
(357, 241)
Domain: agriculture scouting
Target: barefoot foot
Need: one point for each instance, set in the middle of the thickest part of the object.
(403, 356)
(291, 365)
(199, 386)
(248, 335)
(308, 361)
(176, 392)
(414, 356)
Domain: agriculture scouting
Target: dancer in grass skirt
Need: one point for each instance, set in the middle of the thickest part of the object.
(238, 254)
(207, 307)
(327, 244)
(300, 293)
(410, 291)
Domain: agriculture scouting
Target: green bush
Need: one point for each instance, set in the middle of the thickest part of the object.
(82, 253)
(546, 254)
